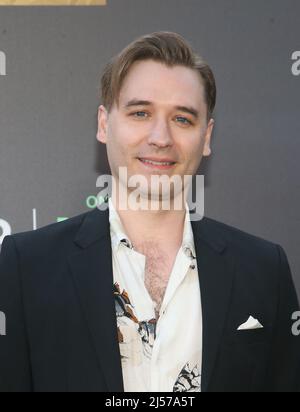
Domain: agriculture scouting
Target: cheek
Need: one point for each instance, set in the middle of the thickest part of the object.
(192, 151)
(192, 155)
(120, 147)
(125, 136)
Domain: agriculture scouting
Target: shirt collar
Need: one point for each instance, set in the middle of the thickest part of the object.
(119, 236)
(188, 243)
(117, 231)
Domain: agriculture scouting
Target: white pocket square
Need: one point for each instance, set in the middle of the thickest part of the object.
(251, 324)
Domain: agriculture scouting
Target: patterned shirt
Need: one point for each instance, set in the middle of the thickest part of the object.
(163, 355)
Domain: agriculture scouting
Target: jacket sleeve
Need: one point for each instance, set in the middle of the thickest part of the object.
(284, 370)
(15, 374)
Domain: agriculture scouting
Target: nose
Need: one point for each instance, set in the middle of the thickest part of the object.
(160, 134)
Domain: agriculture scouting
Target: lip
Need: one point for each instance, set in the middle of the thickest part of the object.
(153, 159)
(158, 167)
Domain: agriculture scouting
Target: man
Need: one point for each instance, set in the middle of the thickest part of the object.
(146, 300)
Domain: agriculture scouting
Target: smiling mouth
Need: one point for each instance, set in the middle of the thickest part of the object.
(157, 164)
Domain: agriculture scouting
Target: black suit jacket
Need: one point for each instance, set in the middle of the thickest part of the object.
(56, 290)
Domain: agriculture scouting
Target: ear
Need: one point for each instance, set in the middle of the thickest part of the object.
(207, 139)
(102, 125)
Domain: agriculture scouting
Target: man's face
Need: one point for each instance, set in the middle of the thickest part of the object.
(151, 123)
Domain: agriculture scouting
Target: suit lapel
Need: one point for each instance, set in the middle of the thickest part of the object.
(92, 272)
(216, 272)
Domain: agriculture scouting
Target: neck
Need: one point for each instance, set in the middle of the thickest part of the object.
(164, 227)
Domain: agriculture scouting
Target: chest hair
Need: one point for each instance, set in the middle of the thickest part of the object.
(157, 271)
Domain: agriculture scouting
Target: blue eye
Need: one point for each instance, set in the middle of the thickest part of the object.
(137, 113)
(142, 114)
(186, 121)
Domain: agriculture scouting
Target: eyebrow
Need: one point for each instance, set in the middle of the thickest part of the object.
(185, 109)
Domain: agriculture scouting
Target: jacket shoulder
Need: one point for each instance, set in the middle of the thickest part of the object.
(241, 242)
(232, 233)
(259, 262)
(46, 237)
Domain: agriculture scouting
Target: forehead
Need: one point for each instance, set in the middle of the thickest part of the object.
(154, 81)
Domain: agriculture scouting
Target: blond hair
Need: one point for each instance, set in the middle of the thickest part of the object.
(164, 47)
